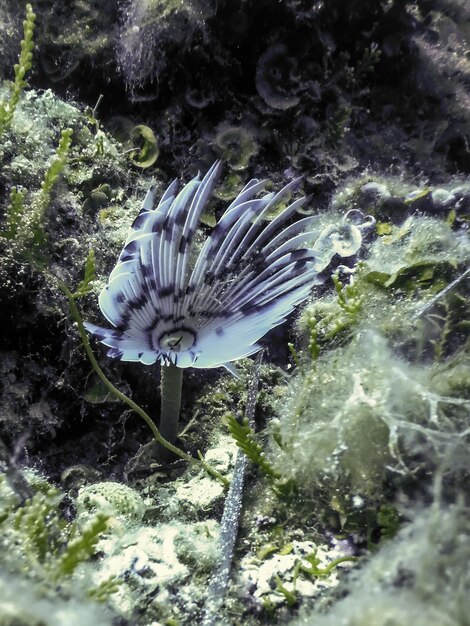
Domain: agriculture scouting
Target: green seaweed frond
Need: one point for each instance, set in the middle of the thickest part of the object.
(25, 224)
(39, 542)
(313, 345)
(295, 356)
(418, 195)
(35, 522)
(42, 200)
(309, 566)
(350, 300)
(306, 566)
(58, 164)
(388, 519)
(382, 524)
(105, 589)
(290, 596)
(86, 285)
(80, 548)
(348, 296)
(245, 438)
(14, 214)
(370, 57)
(450, 318)
(25, 62)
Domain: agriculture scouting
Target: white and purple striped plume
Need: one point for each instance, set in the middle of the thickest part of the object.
(249, 275)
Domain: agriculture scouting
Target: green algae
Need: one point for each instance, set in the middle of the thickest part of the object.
(47, 558)
(25, 63)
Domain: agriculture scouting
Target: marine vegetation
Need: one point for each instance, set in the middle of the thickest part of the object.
(51, 555)
(25, 62)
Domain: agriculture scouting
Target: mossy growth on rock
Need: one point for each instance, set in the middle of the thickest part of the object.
(371, 434)
(379, 401)
(47, 558)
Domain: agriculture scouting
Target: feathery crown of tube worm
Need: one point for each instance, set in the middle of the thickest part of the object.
(248, 276)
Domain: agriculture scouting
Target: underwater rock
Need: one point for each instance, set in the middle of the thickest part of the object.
(115, 500)
(25, 397)
(392, 199)
(373, 192)
(161, 566)
(202, 491)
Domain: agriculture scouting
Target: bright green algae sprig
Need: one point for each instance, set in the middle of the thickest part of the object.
(25, 62)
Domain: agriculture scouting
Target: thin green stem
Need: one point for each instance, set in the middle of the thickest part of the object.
(130, 403)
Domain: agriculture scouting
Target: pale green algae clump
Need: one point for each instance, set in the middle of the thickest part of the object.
(370, 399)
(46, 574)
(363, 411)
(377, 416)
